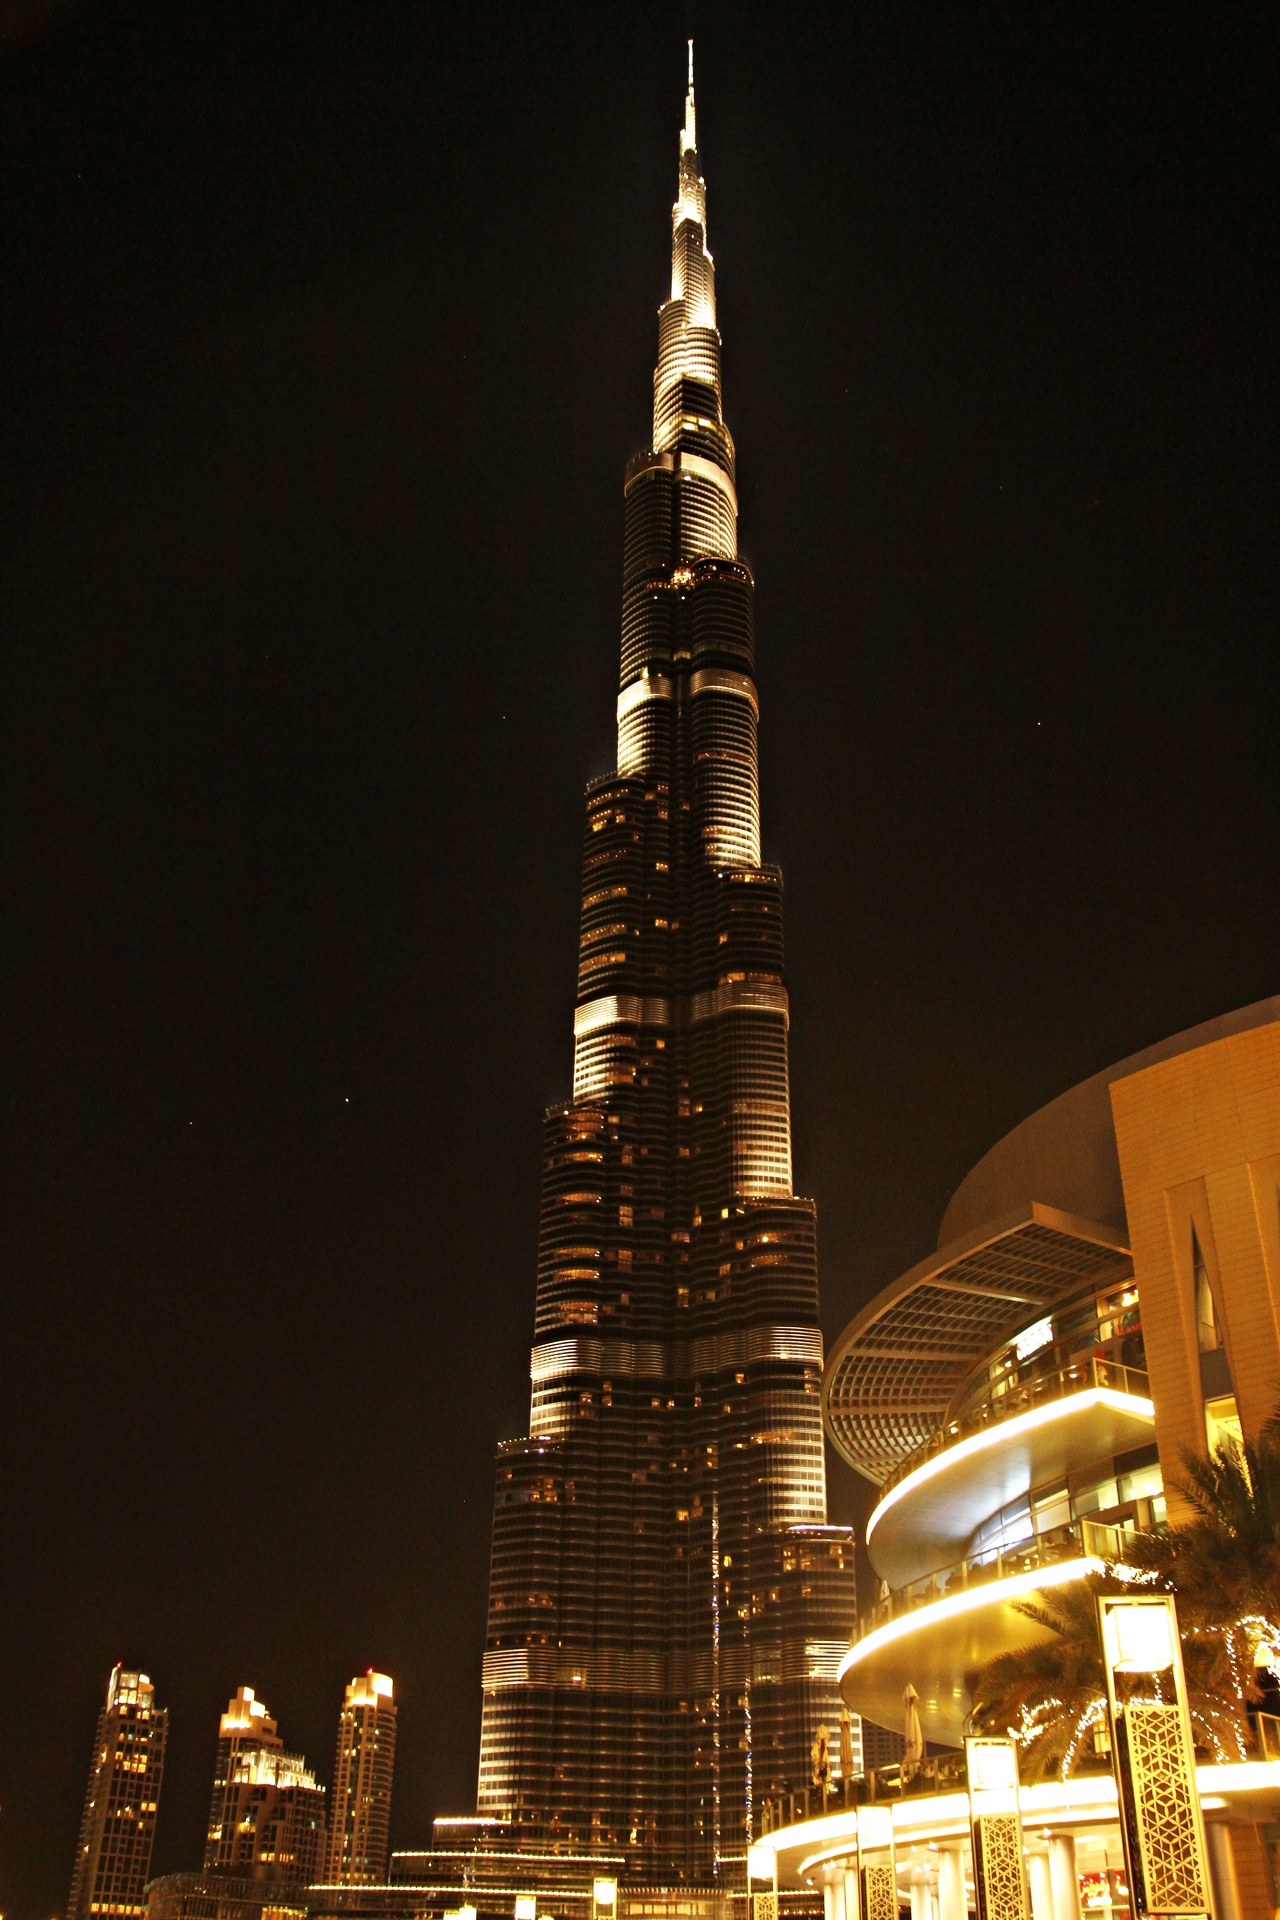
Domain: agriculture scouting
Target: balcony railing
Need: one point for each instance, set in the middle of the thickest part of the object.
(1007, 1401)
(939, 1773)
(1083, 1537)
(944, 1772)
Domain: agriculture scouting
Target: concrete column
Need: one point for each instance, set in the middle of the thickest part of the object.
(1222, 1870)
(1041, 1886)
(829, 1902)
(852, 1905)
(953, 1903)
(1065, 1876)
(920, 1897)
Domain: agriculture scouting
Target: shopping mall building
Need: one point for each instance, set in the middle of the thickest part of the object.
(1105, 1296)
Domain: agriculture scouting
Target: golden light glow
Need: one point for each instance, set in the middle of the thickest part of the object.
(1136, 1405)
(1084, 1801)
(1139, 1636)
(985, 1595)
(759, 1863)
(992, 1765)
(243, 1712)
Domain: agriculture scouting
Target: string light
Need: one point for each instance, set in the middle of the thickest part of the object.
(1092, 1716)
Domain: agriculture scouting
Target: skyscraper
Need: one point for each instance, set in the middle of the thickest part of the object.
(360, 1812)
(266, 1819)
(113, 1859)
(630, 1704)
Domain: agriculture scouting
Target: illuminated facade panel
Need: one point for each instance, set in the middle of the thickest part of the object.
(667, 1604)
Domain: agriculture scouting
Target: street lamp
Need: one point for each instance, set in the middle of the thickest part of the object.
(995, 1820)
(877, 1869)
(1154, 1757)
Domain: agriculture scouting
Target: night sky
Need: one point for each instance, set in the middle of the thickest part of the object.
(325, 333)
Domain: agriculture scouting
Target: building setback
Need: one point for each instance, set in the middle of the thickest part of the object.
(113, 1858)
(360, 1814)
(267, 1813)
(652, 1672)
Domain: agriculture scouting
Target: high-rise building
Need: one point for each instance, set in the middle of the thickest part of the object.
(267, 1816)
(360, 1811)
(113, 1859)
(644, 1689)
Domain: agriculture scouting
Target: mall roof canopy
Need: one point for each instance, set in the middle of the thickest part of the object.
(893, 1371)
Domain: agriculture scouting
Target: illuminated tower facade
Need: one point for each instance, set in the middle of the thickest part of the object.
(360, 1812)
(266, 1819)
(113, 1859)
(675, 1444)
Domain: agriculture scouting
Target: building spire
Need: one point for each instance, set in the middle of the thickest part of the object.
(692, 274)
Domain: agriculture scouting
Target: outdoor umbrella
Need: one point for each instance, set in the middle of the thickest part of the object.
(914, 1735)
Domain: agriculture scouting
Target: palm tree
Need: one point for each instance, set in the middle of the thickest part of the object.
(1222, 1566)
(1051, 1695)
(1224, 1563)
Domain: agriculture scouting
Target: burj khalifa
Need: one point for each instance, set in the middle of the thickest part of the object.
(667, 1602)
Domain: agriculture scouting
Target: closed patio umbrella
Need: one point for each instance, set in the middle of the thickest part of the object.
(913, 1732)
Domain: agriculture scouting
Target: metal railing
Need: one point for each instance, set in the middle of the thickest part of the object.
(1006, 1402)
(938, 1773)
(1081, 1537)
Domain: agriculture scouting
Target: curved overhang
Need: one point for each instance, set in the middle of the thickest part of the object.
(933, 1646)
(929, 1517)
(894, 1369)
(1066, 1152)
(800, 1854)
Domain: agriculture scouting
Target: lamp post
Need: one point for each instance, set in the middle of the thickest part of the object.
(762, 1864)
(877, 1869)
(995, 1821)
(1154, 1757)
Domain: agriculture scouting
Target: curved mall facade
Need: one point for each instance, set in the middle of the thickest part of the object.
(1105, 1295)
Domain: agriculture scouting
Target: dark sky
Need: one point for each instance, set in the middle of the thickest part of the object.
(325, 332)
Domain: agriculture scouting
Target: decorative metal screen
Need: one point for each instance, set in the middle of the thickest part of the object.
(1161, 1766)
(879, 1893)
(764, 1906)
(999, 1837)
